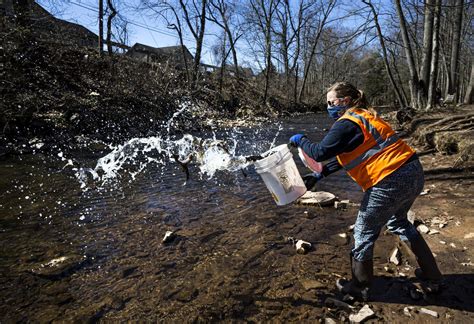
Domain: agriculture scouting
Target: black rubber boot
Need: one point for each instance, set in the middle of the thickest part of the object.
(359, 286)
(428, 268)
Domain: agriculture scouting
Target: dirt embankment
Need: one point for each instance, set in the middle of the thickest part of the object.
(54, 94)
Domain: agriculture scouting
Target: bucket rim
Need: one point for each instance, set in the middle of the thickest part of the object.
(282, 152)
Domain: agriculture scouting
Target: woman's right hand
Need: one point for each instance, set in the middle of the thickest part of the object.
(311, 179)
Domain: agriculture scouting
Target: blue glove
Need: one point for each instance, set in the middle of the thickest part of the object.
(311, 179)
(295, 140)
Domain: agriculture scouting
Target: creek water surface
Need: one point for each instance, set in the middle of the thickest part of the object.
(74, 254)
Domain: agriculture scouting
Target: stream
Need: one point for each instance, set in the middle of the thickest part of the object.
(84, 251)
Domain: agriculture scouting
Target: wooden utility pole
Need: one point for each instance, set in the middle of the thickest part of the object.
(101, 26)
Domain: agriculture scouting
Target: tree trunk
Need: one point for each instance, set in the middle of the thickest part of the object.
(111, 16)
(469, 90)
(427, 48)
(295, 93)
(199, 42)
(179, 30)
(101, 26)
(413, 82)
(223, 60)
(329, 7)
(455, 46)
(385, 57)
(234, 52)
(434, 57)
(268, 57)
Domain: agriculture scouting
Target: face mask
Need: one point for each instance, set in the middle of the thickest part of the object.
(334, 111)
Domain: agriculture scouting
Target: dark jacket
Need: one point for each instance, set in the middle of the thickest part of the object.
(344, 136)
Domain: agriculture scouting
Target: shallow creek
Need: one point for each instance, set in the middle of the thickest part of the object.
(71, 254)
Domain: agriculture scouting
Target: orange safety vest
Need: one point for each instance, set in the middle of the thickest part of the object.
(381, 153)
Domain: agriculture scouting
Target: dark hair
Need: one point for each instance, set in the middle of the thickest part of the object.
(358, 98)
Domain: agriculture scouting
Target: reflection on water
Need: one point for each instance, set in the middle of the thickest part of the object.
(108, 242)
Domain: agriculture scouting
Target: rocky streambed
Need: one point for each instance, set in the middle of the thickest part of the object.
(72, 256)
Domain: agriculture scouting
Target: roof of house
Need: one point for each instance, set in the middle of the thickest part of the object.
(168, 50)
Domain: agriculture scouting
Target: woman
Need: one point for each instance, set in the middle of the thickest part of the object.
(387, 169)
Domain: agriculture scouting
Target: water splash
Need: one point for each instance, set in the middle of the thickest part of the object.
(211, 154)
(133, 157)
(280, 128)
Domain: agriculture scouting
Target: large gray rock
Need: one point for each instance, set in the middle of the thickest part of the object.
(364, 314)
(318, 198)
(60, 267)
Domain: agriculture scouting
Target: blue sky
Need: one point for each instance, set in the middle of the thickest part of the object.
(84, 12)
(148, 30)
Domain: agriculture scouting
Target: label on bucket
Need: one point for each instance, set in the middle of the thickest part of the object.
(284, 180)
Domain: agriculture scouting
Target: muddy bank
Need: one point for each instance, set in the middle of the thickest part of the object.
(65, 96)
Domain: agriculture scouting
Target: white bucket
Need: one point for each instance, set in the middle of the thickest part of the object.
(278, 171)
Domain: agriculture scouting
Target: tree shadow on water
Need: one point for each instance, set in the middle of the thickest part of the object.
(456, 292)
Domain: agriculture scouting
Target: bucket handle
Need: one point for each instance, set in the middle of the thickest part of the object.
(289, 148)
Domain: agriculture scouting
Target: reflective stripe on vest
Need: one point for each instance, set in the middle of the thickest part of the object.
(381, 143)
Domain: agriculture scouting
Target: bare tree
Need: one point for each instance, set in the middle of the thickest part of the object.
(288, 31)
(427, 49)
(325, 10)
(455, 47)
(222, 12)
(169, 12)
(470, 90)
(101, 26)
(112, 14)
(261, 15)
(401, 99)
(196, 22)
(434, 56)
(413, 82)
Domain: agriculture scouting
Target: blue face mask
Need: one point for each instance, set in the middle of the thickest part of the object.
(334, 111)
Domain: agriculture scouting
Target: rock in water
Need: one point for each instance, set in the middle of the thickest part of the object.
(60, 267)
(169, 236)
(429, 312)
(364, 314)
(423, 229)
(395, 256)
(302, 246)
(318, 198)
(308, 214)
(341, 204)
(407, 310)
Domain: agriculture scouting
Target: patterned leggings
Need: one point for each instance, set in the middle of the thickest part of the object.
(387, 203)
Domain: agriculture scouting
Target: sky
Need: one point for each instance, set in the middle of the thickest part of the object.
(143, 29)
(146, 29)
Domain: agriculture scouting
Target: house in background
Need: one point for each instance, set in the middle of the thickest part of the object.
(243, 72)
(175, 56)
(54, 30)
